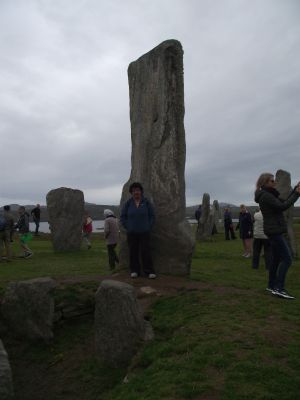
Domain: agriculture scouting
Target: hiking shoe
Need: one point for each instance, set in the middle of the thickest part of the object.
(28, 255)
(248, 255)
(284, 294)
(133, 275)
(152, 276)
(268, 289)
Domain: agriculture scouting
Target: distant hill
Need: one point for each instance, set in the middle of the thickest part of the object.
(96, 210)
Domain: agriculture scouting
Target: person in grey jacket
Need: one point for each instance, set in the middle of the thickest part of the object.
(275, 226)
(111, 233)
(260, 242)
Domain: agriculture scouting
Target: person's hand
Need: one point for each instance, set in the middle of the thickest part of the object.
(298, 187)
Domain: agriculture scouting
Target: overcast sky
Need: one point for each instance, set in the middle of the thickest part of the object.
(64, 101)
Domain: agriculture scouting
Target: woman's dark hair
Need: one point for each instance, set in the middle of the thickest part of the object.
(135, 185)
(6, 208)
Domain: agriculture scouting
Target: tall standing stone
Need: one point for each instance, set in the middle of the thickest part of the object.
(158, 152)
(216, 214)
(207, 220)
(283, 179)
(65, 210)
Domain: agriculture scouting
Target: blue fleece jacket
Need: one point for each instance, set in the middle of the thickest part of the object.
(137, 219)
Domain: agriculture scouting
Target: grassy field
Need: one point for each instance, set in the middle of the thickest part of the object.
(226, 340)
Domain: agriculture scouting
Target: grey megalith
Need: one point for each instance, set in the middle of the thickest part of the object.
(283, 179)
(158, 153)
(66, 210)
(206, 221)
(119, 324)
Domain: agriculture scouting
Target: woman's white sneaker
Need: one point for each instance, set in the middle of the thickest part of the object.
(152, 276)
(134, 275)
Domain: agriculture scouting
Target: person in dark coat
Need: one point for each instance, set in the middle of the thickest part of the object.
(36, 215)
(245, 225)
(275, 227)
(137, 217)
(228, 225)
(198, 213)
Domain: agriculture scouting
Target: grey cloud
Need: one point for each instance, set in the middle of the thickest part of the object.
(64, 100)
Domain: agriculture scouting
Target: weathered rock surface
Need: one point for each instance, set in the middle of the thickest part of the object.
(28, 308)
(66, 210)
(216, 214)
(283, 179)
(119, 325)
(6, 385)
(158, 153)
(207, 220)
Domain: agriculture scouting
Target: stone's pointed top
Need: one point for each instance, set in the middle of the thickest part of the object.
(170, 43)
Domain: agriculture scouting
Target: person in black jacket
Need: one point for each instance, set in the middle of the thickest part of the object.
(274, 227)
(23, 227)
(36, 215)
(245, 225)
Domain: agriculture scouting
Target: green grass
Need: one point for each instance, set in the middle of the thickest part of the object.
(228, 340)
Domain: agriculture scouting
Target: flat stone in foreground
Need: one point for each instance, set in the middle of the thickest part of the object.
(6, 385)
(119, 324)
(28, 308)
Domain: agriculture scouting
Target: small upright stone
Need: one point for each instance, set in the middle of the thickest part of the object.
(66, 210)
(6, 385)
(28, 308)
(158, 153)
(119, 324)
(284, 187)
(207, 220)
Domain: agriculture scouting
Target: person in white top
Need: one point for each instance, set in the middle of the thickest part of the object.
(260, 241)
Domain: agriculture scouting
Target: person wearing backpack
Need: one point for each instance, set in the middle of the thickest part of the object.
(6, 227)
(137, 217)
(23, 227)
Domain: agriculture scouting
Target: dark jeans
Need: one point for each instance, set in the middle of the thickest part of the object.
(258, 244)
(229, 228)
(140, 253)
(112, 256)
(37, 225)
(281, 262)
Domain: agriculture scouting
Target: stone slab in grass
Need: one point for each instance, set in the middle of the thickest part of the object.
(119, 324)
(28, 308)
(6, 385)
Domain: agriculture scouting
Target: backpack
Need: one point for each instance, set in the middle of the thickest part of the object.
(2, 223)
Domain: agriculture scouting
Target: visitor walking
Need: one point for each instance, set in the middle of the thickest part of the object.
(23, 227)
(87, 229)
(245, 226)
(275, 227)
(36, 215)
(260, 242)
(137, 217)
(6, 226)
(111, 233)
(228, 225)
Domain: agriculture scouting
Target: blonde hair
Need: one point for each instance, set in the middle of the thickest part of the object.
(263, 179)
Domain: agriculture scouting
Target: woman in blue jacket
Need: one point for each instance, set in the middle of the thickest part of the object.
(137, 217)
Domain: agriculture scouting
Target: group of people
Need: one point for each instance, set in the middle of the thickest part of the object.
(137, 219)
(8, 227)
(267, 230)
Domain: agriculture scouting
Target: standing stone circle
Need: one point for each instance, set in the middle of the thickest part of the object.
(28, 308)
(158, 153)
(283, 179)
(6, 385)
(66, 210)
(119, 324)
